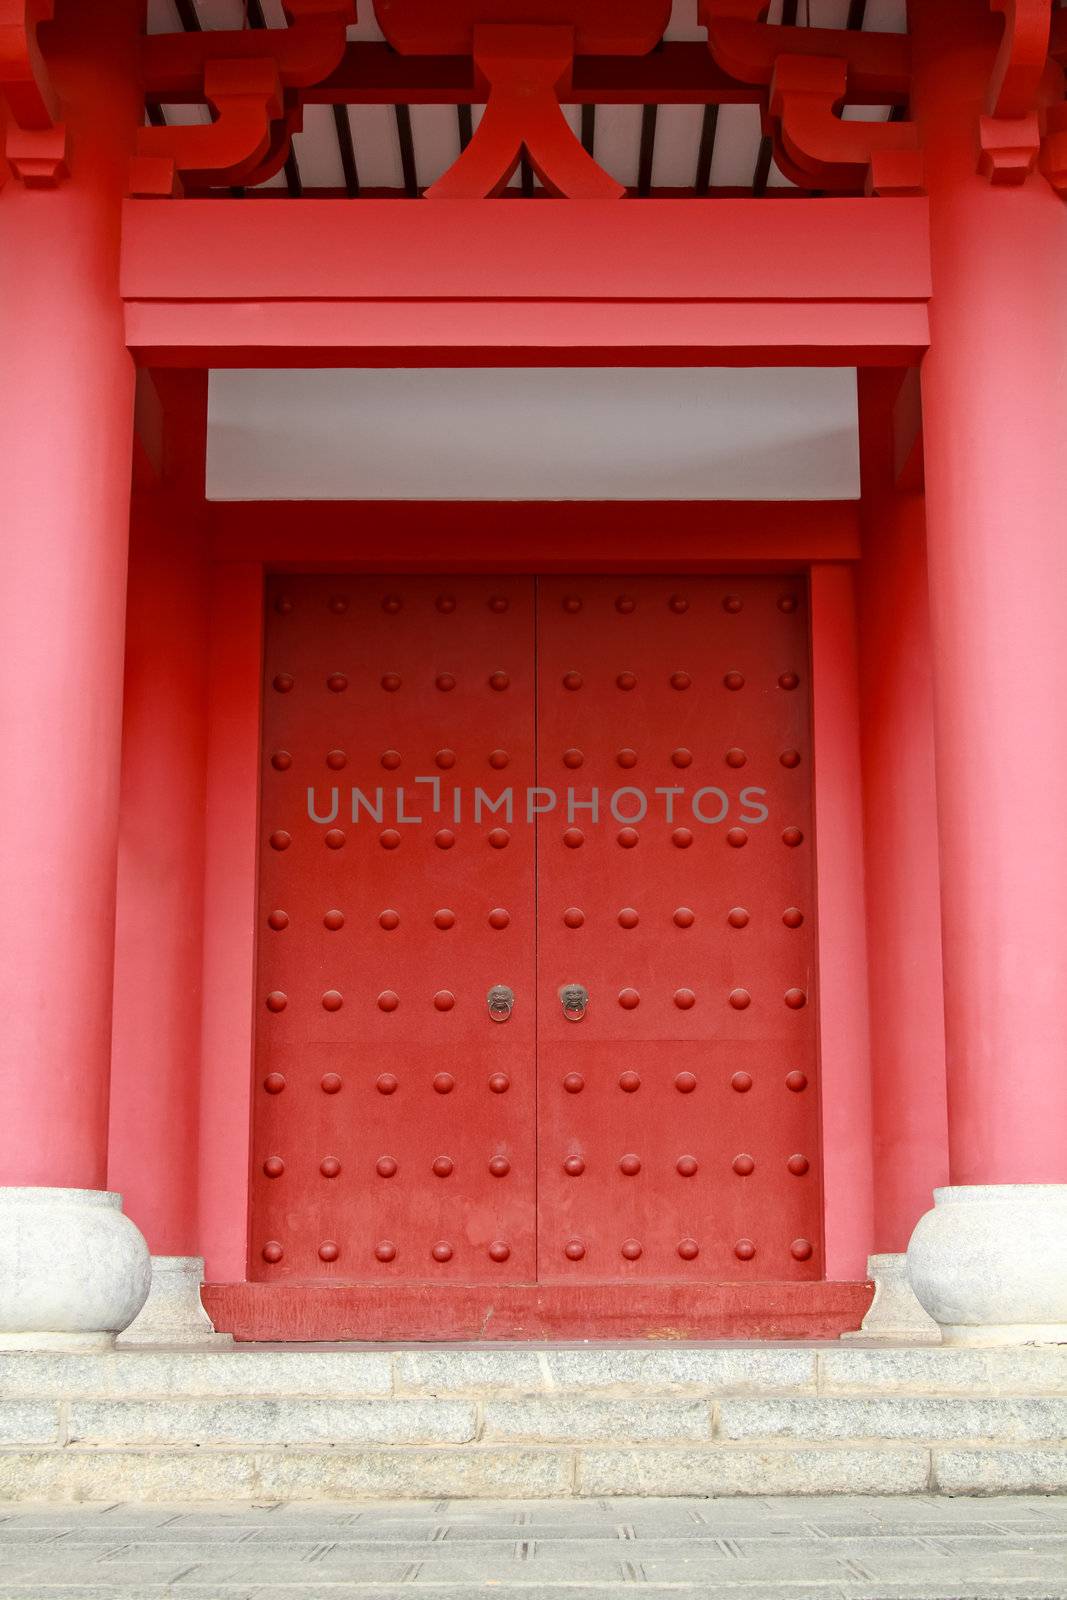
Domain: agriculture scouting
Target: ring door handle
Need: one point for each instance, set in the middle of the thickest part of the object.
(574, 998)
(501, 1002)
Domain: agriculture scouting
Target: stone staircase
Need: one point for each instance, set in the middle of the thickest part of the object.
(311, 1422)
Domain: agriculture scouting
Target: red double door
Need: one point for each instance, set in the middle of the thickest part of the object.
(535, 971)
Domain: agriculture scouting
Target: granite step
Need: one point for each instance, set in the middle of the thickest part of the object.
(298, 1422)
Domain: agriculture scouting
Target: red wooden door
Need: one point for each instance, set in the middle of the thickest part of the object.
(394, 1120)
(677, 1120)
(404, 1130)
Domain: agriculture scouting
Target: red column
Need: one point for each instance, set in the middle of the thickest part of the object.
(994, 390)
(900, 834)
(159, 937)
(844, 1027)
(66, 422)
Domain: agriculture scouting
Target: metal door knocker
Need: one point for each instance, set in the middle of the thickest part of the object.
(501, 1001)
(574, 998)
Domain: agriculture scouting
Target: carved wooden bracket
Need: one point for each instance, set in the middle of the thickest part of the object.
(249, 77)
(523, 55)
(807, 72)
(1009, 134)
(747, 47)
(247, 97)
(525, 69)
(819, 150)
(1054, 119)
(173, 64)
(35, 145)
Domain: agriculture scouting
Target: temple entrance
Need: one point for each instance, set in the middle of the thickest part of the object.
(536, 951)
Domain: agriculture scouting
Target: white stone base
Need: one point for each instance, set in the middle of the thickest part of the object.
(174, 1314)
(895, 1314)
(989, 1263)
(72, 1268)
(1005, 1333)
(71, 1343)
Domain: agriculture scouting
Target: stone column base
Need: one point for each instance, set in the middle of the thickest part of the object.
(895, 1314)
(173, 1313)
(73, 1270)
(989, 1263)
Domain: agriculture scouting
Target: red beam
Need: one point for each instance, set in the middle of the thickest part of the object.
(660, 250)
(527, 536)
(679, 73)
(499, 333)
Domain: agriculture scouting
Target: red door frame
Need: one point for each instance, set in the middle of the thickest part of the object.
(836, 282)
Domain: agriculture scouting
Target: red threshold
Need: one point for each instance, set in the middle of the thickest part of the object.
(306, 1312)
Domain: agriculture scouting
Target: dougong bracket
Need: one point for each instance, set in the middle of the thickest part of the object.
(35, 143)
(525, 69)
(807, 74)
(247, 97)
(1009, 134)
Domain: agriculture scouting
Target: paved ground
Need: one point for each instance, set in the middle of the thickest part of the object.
(907, 1548)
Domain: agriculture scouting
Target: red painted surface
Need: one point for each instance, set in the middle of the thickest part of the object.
(844, 1023)
(523, 535)
(216, 282)
(66, 419)
(995, 400)
(599, 27)
(493, 333)
(689, 917)
(401, 1133)
(527, 70)
(234, 674)
(837, 250)
(896, 718)
(155, 1087)
(322, 1311)
(375, 1052)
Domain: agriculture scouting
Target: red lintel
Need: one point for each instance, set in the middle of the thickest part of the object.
(568, 250)
(525, 535)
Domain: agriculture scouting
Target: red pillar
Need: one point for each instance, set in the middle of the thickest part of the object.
(848, 1194)
(66, 423)
(900, 834)
(159, 937)
(994, 388)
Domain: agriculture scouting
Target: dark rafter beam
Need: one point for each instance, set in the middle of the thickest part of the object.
(293, 180)
(466, 127)
(857, 15)
(407, 151)
(187, 15)
(589, 128)
(526, 176)
(157, 116)
(648, 150)
(706, 153)
(347, 149)
(789, 13)
(763, 168)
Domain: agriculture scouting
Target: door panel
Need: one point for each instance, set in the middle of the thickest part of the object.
(407, 1091)
(400, 1134)
(693, 938)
